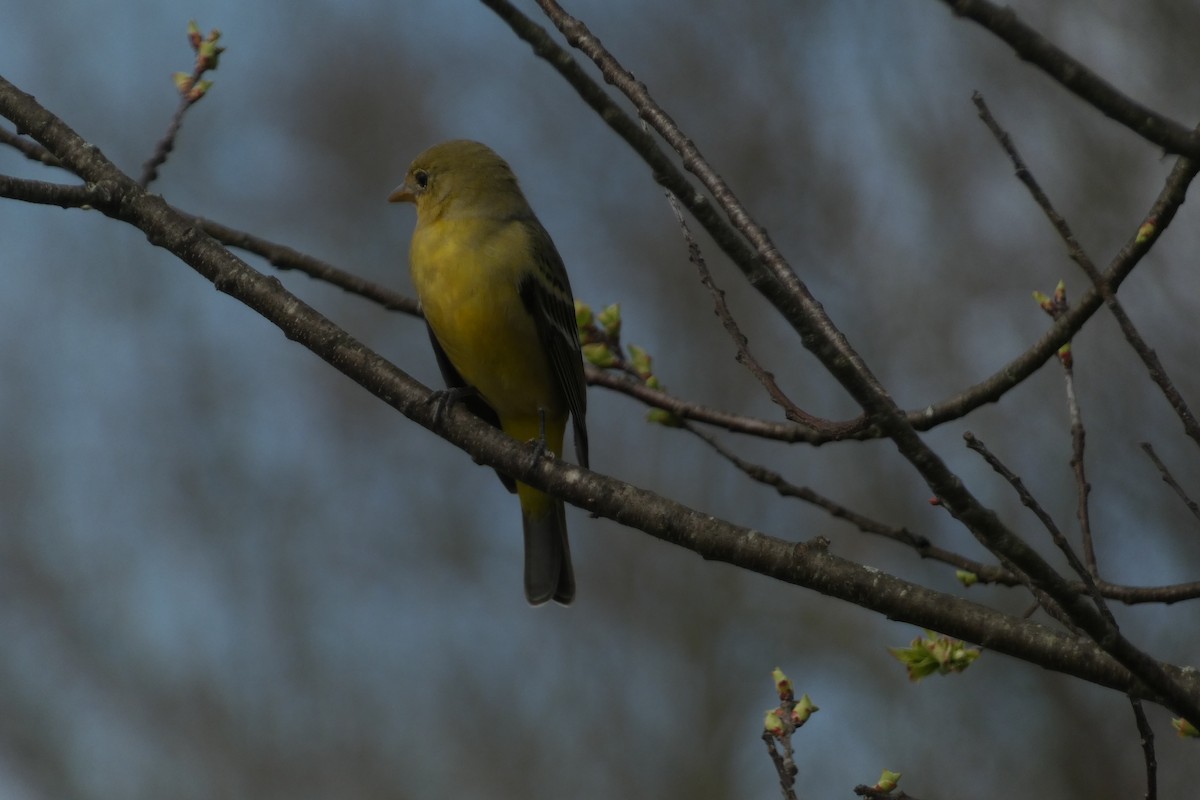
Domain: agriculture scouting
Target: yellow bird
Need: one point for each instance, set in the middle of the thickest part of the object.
(502, 321)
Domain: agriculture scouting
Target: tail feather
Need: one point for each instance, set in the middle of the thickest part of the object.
(548, 572)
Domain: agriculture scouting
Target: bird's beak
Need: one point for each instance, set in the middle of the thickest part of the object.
(402, 194)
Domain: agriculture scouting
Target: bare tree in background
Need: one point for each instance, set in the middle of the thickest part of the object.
(1071, 623)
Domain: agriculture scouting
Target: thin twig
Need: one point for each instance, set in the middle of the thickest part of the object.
(920, 544)
(28, 148)
(740, 342)
(685, 409)
(286, 258)
(862, 790)
(1056, 535)
(191, 89)
(62, 195)
(1147, 739)
(1078, 466)
(1134, 595)
(1169, 479)
(744, 356)
(166, 144)
(785, 764)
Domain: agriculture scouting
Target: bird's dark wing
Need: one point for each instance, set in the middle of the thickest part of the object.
(548, 299)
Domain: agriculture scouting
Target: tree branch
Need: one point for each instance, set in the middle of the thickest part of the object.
(1077, 78)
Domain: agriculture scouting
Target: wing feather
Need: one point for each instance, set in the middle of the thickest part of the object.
(546, 294)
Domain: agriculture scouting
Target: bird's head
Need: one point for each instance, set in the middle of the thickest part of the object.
(460, 178)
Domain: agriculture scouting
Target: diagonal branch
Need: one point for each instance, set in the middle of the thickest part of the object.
(45, 193)
(283, 257)
(1029, 501)
(1169, 479)
(1072, 74)
(30, 149)
(919, 543)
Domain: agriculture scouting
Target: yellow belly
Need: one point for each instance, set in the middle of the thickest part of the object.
(468, 289)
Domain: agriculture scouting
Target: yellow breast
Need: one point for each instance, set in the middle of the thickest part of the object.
(467, 273)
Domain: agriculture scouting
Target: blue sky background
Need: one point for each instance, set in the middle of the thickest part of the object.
(227, 571)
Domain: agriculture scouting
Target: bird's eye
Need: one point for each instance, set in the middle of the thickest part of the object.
(421, 178)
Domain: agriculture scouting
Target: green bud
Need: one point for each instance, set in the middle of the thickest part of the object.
(198, 90)
(1184, 728)
(803, 710)
(583, 315)
(1147, 230)
(610, 319)
(598, 354)
(641, 361)
(1065, 356)
(782, 685)
(773, 723)
(934, 654)
(663, 417)
(208, 54)
(888, 781)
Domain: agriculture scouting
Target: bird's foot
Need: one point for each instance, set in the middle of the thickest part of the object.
(540, 450)
(442, 399)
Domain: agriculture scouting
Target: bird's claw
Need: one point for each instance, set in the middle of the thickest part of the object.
(540, 450)
(442, 399)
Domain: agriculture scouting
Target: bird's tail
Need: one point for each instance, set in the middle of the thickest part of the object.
(548, 572)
